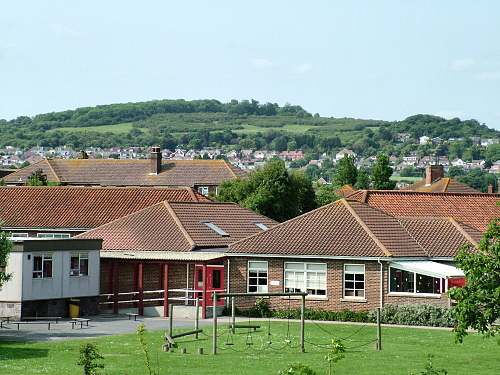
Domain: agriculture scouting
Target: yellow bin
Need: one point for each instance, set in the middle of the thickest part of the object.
(74, 309)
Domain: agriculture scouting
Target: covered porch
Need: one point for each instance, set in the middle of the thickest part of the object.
(148, 282)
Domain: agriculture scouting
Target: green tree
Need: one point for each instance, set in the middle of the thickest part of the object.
(5, 248)
(271, 191)
(326, 194)
(363, 180)
(37, 178)
(346, 172)
(381, 174)
(478, 302)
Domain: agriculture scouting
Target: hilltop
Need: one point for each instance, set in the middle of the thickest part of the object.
(237, 124)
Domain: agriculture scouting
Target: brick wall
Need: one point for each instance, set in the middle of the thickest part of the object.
(334, 300)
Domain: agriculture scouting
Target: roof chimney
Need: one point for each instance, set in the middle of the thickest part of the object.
(433, 173)
(83, 155)
(155, 157)
(490, 189)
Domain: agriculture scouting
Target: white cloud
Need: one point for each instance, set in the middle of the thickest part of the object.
(460, 65)
(261, 63)
(489, 76)
(303, 68)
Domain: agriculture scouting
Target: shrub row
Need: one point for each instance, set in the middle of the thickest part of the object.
(415, 315)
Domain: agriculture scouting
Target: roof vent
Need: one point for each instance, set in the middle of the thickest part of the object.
(215, 228)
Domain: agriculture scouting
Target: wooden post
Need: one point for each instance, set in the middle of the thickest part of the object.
(171, 320)
(214, 332)
(302, 323)
(233, 316)
(204, 293)
(116, 287)
(165, 290)
(379, 331)
(197, 317)
(140, 288)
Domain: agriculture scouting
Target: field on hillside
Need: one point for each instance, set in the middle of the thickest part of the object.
(404, 352)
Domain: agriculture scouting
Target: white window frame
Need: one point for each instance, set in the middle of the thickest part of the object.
(203, 190)
(19, 235)
(354, 273)
(305, 273)
(82, 255)
(258, 277)
(53, 236)
(415, 293)
(41, 271)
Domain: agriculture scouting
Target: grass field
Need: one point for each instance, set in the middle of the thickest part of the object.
(117, 128)
(404, 351)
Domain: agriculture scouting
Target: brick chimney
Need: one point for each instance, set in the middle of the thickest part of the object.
(433, 173)
(155, 160)
(490, 189)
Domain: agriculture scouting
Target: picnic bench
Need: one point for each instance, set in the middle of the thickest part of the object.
(22, 322)
(5, 319)
(130, 315)
(55, 319)
(75, 321)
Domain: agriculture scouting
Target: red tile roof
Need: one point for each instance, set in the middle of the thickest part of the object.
(442, 185)
(110, 172)
(80, 207)
(352, 229)
(179, 226)
(473, 209)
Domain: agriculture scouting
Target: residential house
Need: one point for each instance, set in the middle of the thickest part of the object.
(434, 181)
(423, 140)
(202, 175)
(340, 155)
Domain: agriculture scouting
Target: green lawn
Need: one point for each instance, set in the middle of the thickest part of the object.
(404, 351)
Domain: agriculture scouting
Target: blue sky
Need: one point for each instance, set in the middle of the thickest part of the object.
(366, 59)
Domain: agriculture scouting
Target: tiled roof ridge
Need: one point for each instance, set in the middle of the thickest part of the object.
(287, 221)
(117, 219)
(179, 224)
(102, 187)
(366, 228)
(53, 171)
(411, 192)
(461, 230)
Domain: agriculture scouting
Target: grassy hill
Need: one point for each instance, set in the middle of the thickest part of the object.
(245, 124)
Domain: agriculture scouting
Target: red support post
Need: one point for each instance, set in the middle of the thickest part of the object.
(116, 287)
(140, 288)
(165, 290)
(204, 293)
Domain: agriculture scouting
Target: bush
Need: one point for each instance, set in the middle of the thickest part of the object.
(297, 369)
(415, 315)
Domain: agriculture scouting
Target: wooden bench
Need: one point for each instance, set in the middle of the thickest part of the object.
(255, 327)
(130, 315)
(80, 321)
(55, 319)
(5, 319)
(32, 322)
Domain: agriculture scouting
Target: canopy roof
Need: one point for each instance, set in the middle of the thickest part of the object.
(428, 268)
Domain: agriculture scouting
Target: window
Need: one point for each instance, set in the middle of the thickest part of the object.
(260, 225)
(203, 190)
(216, 279)
(257, 277)
(215, 228)
(402, 281)
(354, 280)
(42, 266)
(53, 235)
(18, 235)
(305, 277)
(79, 264)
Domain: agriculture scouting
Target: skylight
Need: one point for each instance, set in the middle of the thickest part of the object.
(215, 228)
(261, 226)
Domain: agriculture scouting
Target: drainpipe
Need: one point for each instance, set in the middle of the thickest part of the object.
(381, 283)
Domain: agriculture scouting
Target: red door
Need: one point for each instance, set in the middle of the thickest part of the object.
(215, 282)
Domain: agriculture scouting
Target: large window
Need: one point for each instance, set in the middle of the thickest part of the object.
(305, 277)
(79, 264)
(53, 235)
(257, 277)
(402, 281)
(354, 281)
(203, 190)
(42, 266)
